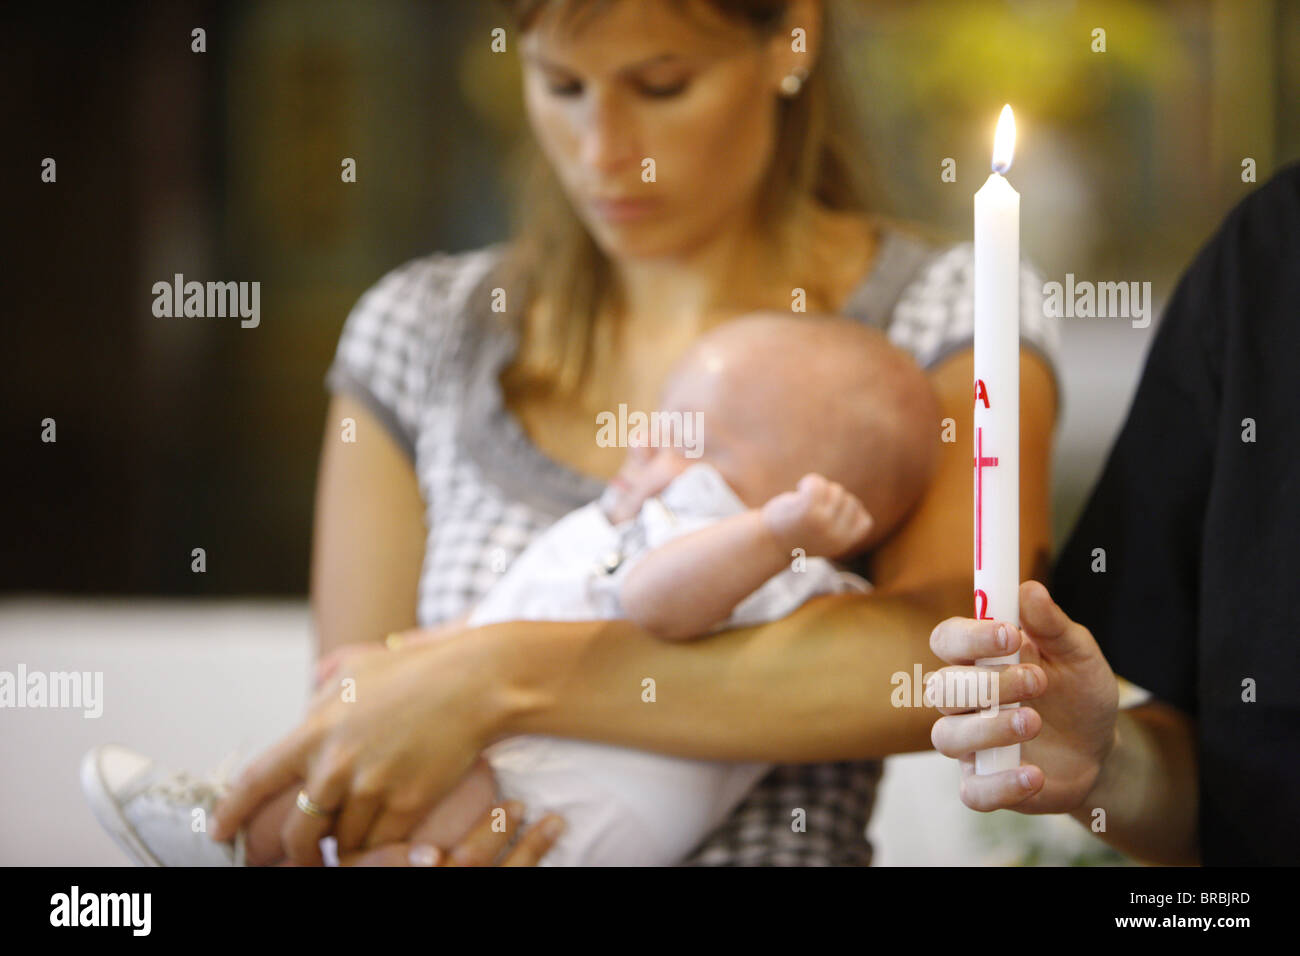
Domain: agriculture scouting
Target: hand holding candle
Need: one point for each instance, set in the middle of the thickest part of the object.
(997, 408)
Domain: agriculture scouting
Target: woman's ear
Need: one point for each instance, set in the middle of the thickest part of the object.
(794, 47)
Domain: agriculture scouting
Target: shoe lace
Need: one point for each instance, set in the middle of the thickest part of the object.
(200, 792)
(184, 788)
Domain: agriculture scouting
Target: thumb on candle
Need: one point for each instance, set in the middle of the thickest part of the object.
(1050, 627)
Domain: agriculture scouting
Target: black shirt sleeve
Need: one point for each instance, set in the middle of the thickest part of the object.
(1148, 511)
(1198, 510)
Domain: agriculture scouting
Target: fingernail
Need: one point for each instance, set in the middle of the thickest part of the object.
(464, 856)
(1004, 637)
(1031, 682)
(552, 828)
(1024, 780)
(1018, 723)
(423, 855)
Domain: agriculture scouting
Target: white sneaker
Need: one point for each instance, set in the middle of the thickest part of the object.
(148, 810)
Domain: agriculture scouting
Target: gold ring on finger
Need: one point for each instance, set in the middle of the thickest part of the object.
(305, 804)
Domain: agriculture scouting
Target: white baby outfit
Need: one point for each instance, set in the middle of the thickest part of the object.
(625, 807)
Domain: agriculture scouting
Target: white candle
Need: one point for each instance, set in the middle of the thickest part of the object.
(997, 407)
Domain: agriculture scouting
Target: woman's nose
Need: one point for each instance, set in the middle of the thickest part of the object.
(607, 134)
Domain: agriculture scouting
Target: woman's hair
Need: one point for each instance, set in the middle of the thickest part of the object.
(552, 256)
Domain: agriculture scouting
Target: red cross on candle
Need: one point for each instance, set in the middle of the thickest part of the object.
(981, 462)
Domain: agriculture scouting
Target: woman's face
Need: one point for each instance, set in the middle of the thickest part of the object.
(639, 81)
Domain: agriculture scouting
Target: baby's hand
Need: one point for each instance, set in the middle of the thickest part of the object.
(819, 516)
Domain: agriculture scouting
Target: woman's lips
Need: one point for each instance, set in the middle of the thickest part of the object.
(623, 210)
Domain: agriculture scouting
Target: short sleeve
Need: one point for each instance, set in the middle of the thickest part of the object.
(389, 339)
(935, 315)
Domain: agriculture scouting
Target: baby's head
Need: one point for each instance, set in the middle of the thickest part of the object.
(780, 395)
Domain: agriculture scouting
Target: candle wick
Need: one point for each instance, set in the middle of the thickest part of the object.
(1001, 168)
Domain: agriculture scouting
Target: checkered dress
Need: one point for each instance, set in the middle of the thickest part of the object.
(422, 350)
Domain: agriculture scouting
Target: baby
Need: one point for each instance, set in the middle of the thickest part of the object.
(817, 441)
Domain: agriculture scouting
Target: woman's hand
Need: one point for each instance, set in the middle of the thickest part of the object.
(380, 745)
(483, 846)
(1068, 732)
(329, 664)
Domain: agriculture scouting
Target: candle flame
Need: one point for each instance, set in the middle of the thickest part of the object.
(1004, 141)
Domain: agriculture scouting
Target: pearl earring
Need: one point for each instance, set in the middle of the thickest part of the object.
(792, 82)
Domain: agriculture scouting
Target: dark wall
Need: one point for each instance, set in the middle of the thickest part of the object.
(181, 433)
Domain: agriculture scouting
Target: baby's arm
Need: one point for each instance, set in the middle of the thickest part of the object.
(687, 586)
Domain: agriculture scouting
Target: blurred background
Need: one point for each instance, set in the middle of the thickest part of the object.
(177, 434)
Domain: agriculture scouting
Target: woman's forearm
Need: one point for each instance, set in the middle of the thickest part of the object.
(814, 686)
(1148, 787)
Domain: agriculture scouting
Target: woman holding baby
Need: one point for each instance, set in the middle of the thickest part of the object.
(475, 380)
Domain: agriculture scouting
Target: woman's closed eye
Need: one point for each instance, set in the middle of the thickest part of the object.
(653, 91)
(664, 90)
(658, 87)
